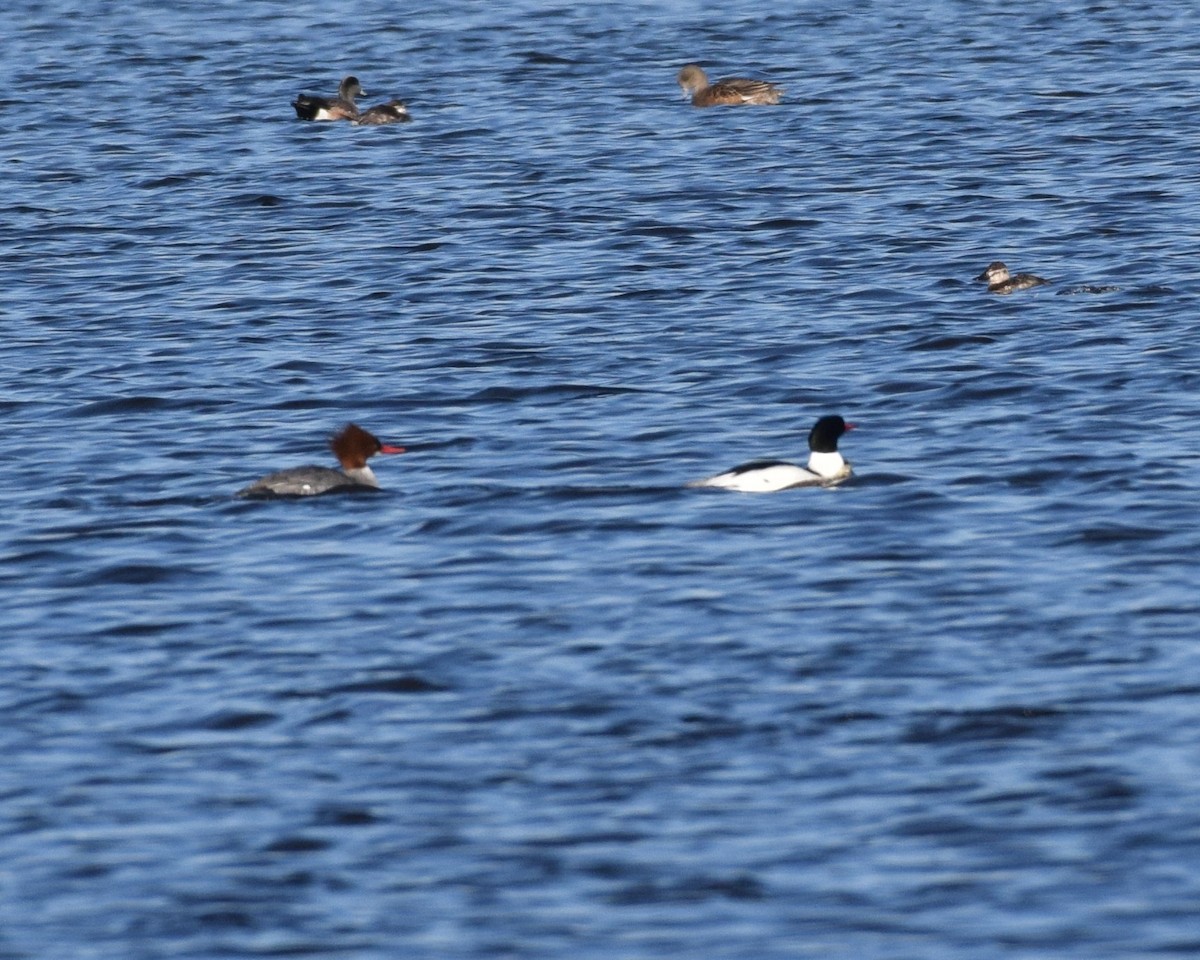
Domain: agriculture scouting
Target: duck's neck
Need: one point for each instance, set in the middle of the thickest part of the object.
(826, 464)
(364, 475)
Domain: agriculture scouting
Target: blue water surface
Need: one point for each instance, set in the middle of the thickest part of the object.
(536, 698)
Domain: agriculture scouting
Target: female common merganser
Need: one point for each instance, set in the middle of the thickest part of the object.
(352, 447)
(999, 280)
(341, 107)
(826, 467)
(394, 111)
(727, 92)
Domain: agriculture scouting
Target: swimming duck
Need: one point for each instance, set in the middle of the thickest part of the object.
(341, 107)
(826, 468)
(394, 111)
(1000, 281)
(353, 446)
(729, 91)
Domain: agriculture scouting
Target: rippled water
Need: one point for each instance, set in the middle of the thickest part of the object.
(537, 699)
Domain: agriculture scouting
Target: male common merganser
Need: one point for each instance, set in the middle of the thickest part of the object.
(999, 280)
(727, 92)
(341, 107)
(394, 111)
(353, 446)
(826, 467)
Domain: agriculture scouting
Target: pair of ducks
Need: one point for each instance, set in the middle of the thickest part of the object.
(343, 107)
(728, 91)
(354, 446)
(735, 91)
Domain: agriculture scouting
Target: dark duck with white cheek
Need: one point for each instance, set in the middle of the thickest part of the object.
(1000, 281)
